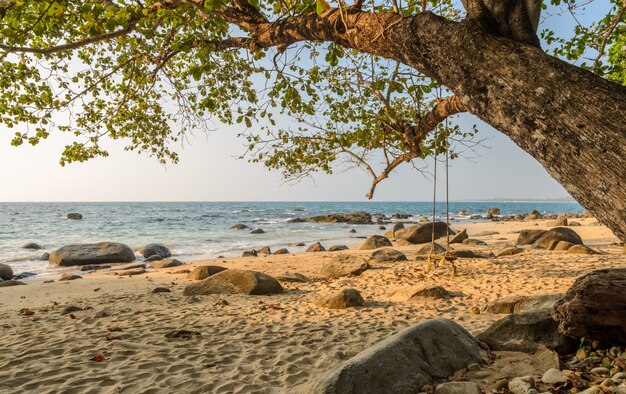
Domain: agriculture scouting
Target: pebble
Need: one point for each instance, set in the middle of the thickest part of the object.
(458, 388)
(608, 382)
(619, 377)
(601, 371)
(522, 385)
(65, 277)
(161, 290)
(553, 376)
(593, 390)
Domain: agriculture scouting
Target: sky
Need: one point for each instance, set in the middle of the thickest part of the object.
(210, 171)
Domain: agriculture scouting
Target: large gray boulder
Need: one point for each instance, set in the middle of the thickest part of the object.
(419, 355)
(375, 242)
(344, 265)
(524, 332)
(422, 233)
(6, 272)
(155, 249)
(103, 252)
(235, 281)
(552, 237)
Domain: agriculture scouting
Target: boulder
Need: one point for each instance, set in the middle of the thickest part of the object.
(400, 216)
(519, 304)
(24, 275)
(560, 221)
(155, 249)
(10, 283)
(346, 298)
(466, 254)
(265, 250)
(533, 215)
(103, 252)
(45, 256)
(69, 276)
(6, 272)
(419, 292)
(350, 218)
(581, 249)
(352, 231)
(316, 247)
(387, 256)
(458, 388)
(204, 271)
(235, 281)
(486, 233)
(131, 272)
(459, 238)
(154, 257)
(257, 231)
(422, 354)
(429, 248)
(511, 251)
(573, 224)
(74, 216)
(528, 237)
(33, 246)
(552, 237)
(336, 248)
(281, 251)
(562, 246)
(239, 226)
(524, 332)
(166, 263)
(392, 231)
(375, 242)
(344, 265)
(595, 307)
(473, 241)
(249, 253)
(292, 277)
(493, 211)
(422, 233)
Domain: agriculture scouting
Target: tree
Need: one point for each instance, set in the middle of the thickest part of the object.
(244, 61)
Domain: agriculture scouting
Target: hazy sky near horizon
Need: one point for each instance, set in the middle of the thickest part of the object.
(210, 171)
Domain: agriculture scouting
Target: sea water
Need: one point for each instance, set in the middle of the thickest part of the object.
(200, 230)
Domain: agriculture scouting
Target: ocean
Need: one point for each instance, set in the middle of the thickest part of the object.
(199, 230)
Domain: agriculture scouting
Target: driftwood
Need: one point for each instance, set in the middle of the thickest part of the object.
(595, 307)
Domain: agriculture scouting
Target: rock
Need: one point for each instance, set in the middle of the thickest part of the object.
(74, 216)
(346, 298)
(493, 211)
(553, 376)
(419, 292)
(131, 272)
(166, 263)
(103, 313)
(281, 251)
(581, 249)
(428, 248)
(519, 304)
(9, 283)
(350, 218)
(71, 309)
(352, 231)
(486, 233)
(534, 215)
(292, 277)
(573, 224)
(67, 276)
(472, 241)
(122, 267)
(592, 390)
(387, 256)
(6, 272)
(422, 354)
(422, 233)
(382, 228)
(560, 221)
(103, 252)
(391, 233)
(265, 250)
(235, 281)
(336, 248)
(344, 265)
(45, 256)
(93, 267)
(553, 236)
(375, 242)
(249, 253)
(509, 251)
(465, 254)
(474, 217)
(601, 371)
(238, 226)
(257, 231)
(154, 257)
(155, 249)
(528, 237)
(595, 307)
(522, 385)
(458, 388)
(459, 238)
(524, 332)
(158, 290)
(32, 245)
(24, 275)
(316, 247)
(562, 246)
(204, 271)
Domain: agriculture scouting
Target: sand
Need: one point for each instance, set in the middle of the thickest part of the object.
(266, 344)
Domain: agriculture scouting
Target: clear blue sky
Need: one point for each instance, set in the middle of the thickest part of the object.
(208, 170)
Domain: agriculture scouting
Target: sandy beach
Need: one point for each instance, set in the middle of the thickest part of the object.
(266, 344)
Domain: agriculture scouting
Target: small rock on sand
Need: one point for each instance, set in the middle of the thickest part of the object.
(344, 265)
(375, 242)
(131, 272)
(509, 251)
(166, 263)
(158, 290)
(9, 283)
(458, 388)
(316, 247)
(68, 276)
(387, 256)
(155, 249)
(6, 272)
(336, 248)
(346, 298)
(292, 277)
(33, 246)
(235, 281)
